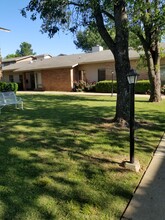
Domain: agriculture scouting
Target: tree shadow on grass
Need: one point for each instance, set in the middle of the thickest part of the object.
(57, 160)
(46, 167)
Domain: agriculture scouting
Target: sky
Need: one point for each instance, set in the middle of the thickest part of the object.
(26, 30)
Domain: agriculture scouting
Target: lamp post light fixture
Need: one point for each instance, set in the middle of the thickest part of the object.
(132, 78)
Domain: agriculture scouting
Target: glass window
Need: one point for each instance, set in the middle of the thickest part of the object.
(101, 75)
(11, 78)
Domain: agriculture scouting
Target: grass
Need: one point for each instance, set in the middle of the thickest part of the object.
(61, 160)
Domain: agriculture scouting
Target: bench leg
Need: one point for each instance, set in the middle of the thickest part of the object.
(20, 105)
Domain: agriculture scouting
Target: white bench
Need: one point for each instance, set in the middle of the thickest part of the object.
(10, 98)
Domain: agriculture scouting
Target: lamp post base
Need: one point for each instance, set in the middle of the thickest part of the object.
(132, 166)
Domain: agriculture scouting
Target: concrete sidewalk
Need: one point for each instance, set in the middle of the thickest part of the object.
(148, 202)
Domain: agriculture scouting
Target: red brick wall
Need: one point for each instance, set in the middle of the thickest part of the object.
(56, 80)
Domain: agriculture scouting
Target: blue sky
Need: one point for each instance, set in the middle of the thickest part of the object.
(26, 30)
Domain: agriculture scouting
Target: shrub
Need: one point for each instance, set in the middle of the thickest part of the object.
(142, 87)
(6, 87)
(79, 86)
(106, 86)
(2, 86)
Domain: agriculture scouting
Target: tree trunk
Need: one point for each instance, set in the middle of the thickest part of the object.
(153, 62)
(122, 63)
(119, 48)
(122, 69)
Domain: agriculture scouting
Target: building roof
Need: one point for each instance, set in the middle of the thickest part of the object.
(52, 63)
(16, 59)
(67, 61)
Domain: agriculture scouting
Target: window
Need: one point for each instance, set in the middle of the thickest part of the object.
(11, 78)
(101, 75)
(21, 78)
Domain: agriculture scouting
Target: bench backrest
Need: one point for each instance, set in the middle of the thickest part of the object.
(9, 97)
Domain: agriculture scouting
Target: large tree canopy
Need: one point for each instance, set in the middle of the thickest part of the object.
(71, 15)
(147, 22)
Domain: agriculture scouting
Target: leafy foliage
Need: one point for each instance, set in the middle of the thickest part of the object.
(89, 38)
(73, 15)
(147, 22)
(6, 87)
(143, 87)
(57, 14)
(106, 86)
(11, 56)
(79, 86)
(25, 50)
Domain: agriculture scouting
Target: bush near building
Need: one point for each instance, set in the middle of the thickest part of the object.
(107, 86)
(6, 87)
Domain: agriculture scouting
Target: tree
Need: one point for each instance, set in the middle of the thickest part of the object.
(147, 22)
(90, 37)
(87, 39)
(25, 50)
(11, 56)
(103, 15)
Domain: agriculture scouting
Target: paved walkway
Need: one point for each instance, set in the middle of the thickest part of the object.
(148, 202)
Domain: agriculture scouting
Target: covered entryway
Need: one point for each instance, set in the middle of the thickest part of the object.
(29, 81)
(32, 81)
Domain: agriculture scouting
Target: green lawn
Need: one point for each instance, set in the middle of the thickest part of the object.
(61, 159)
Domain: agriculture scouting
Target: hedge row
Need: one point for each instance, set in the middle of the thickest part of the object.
(106, 86)
(142, 87)
(6, 87)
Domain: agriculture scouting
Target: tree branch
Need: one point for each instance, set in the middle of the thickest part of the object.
(110, 16)
(76, 4)
(102, 30)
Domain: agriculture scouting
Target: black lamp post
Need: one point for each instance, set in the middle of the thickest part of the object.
(132, 78)
(112, 84)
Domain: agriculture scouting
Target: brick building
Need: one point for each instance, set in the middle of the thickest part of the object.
(59, 73)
